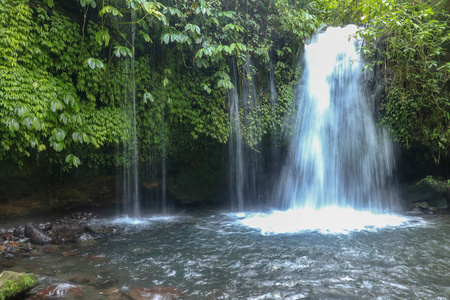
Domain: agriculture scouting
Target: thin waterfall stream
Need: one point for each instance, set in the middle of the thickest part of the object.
(130, 209)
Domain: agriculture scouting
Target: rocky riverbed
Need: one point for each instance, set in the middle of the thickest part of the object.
(66, 237)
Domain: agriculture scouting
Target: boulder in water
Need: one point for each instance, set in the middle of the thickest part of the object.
(60, 291)
(14, 284)
(86, 240)
(36, 235)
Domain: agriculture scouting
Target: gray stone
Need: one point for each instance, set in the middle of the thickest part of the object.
(36, 236)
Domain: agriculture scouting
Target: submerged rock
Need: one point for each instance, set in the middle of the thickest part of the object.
(14, 284)
(60, 291)
(98, 282)
(153, 293)
(36, 235)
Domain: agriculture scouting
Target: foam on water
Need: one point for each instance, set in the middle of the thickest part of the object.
(329, 220)
(140, 221)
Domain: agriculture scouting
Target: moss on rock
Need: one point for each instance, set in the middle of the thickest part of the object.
(13, 284)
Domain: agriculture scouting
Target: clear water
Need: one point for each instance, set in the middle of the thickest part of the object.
(337, 155)
(215, 256)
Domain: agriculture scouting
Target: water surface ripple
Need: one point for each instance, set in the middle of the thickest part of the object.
(215, 257)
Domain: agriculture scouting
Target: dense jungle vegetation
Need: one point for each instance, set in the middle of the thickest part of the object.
(69, 71)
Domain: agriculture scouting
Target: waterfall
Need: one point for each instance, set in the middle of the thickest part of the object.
(163, 167)
(338, 176)
(337, 155)
(236, 152)
(272, 86)
(245, 173)
(130, 172)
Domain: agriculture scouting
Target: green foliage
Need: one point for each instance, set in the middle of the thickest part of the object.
(65, 88)
(338, 12)
(41, 111)
(409, 43)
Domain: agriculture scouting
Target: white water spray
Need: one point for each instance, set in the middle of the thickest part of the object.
(337, 156)
(339, 163)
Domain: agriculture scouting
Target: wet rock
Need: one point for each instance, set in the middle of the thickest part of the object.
(98, 282)
(67, 230)
(49, 249)
(60, 291)
(424, 208)
(14, 284)
(153, 293)
(108, 281)
(114, 293)
(86, 240)
(81, 216)
(36, 236)
(26, 246)
(432, 190)
(69, 253)
(19, 232)
(97, 257)
(45, 226)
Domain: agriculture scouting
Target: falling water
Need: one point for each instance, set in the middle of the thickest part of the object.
(245, 139)
(274, 134)
(252, 133)
(163, 168)
(131, 205)
(235, 150)
(337, 155)
(340, 166)
(272, 86)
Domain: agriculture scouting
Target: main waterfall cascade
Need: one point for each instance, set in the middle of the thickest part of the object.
(337, 156)
(339, 164)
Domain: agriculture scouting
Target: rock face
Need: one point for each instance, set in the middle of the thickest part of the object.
(25, 195)
(14, 284)
(434, 191)
(36, 235)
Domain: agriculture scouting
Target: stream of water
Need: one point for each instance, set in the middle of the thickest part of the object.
(216, 256)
